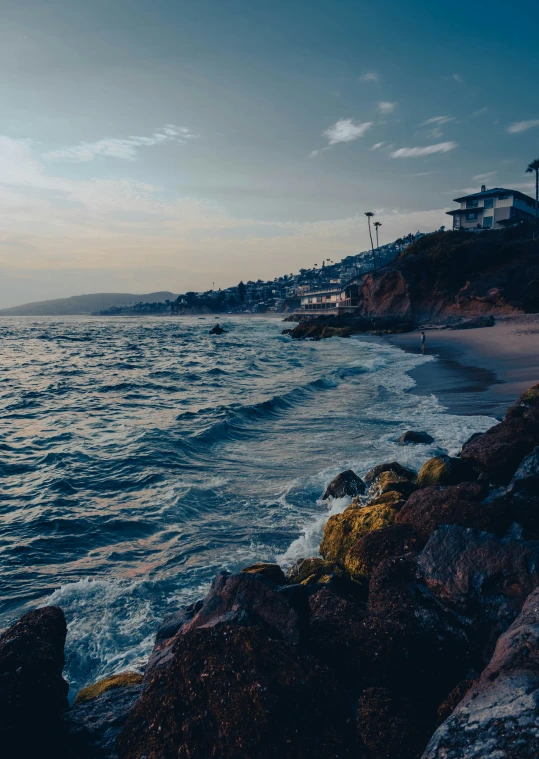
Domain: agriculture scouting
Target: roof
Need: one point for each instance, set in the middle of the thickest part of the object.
(494, 191)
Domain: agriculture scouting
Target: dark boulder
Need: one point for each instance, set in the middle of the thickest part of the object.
(247, 600)
(476, 323)
(480, 575)
(462, 505)
(526, 404)
(448, 706)
(415, 436)
(345, 484)
(271, 572)
(375, 547)
(392, 466)
(498, 716)
(390, 725)
(445, 470)
(161, 655)
(389, 482)
(33, 694)
(98, 715)
(315, 570)
(499, 451)
(233, 692)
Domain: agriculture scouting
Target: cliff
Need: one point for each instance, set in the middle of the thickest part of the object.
(455, 274)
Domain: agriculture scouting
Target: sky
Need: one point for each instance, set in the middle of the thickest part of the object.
(175, 144)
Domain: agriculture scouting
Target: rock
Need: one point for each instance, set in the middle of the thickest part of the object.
(375, 547)
(499, 451)
(233, 692)
(389, 725)
(345, 484)
(247, 600)
(526, 478)
(461, 505)
(309, 571)
(343, 530)
(414, 436)
(480, 575)
(98, 715)
(498, 716)
(271, 572)
(217, 330)
(389, 482)
(448, 706)
(161, 655)
(528, 401)
(412, 643)
(476, 323)
(33, 693)
(445, 470)
(333, 618)
(392, 466)
(122, 680)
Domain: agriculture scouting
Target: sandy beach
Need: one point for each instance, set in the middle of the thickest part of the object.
(479, 370)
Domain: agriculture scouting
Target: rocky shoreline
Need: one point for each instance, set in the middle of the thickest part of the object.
(414, 633)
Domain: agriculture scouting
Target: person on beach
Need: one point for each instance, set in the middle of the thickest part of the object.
(423, 342)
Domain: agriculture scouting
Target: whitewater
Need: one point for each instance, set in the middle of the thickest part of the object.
(139, 457)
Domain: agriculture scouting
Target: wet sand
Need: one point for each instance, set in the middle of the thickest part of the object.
(479, 371)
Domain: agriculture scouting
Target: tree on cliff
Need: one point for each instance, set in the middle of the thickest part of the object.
(534, 166)
(369, 215)
(241, 291)
(377, 225)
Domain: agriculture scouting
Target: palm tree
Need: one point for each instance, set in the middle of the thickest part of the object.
(369, 215)
(377, 225)
(534, 166)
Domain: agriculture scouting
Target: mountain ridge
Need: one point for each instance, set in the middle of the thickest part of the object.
(79, 305)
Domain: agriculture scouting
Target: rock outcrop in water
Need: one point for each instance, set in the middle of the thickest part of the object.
(423, 609)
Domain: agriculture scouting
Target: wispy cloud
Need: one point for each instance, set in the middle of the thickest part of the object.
(480, 112)
(378, 145)
(522, 126)
(423, 174)
(458, 78)
(484, 177)
(437, 120)
(123, 148)
(385, 107)
(344, 130)
(440, 147)
(370, 76)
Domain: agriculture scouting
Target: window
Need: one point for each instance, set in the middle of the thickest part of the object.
(487, 222)
(489, 203)
(471, 216)
(472, 203)
(504, 197)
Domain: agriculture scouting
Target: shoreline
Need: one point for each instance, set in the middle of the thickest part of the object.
(478, 371)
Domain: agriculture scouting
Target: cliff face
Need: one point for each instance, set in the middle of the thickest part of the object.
(456, 274)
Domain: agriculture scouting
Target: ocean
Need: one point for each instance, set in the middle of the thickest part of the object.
(138, 457)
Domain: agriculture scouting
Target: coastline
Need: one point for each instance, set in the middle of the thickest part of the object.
(478, 371)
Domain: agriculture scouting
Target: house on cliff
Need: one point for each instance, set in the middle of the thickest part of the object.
(492, 209)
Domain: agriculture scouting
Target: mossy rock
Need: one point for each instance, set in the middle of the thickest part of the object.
(391, 466)
(392, 498)
(123, 680)
(444, 470)
(344, 530)
(309, 571)
(392, 482)
(530, 397)
(271, 572)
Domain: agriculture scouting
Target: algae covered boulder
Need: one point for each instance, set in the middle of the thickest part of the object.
(392, 466)
(416, 437)
(390, 725)
(388, 482)
(271, 572)
(233, 692)
(343, 530)
(315, 570)
(392, 498)
(345, 484)
(445, 470)
(375, 547)
(123, 680)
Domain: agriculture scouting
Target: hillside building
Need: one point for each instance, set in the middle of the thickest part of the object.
(492, 209)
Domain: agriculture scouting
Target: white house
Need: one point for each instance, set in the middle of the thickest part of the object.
(492, 209)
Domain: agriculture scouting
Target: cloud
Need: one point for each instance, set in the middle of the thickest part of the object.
(370, 76)
(378, 145)
(385, 107)
(522, 126)
(440, 147)
(122, 148)
(480, 112)
(438, 120)
(458, 78)
(346, 130)
(484, 177)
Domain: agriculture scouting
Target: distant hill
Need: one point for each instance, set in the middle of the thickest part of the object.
(83, 304)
